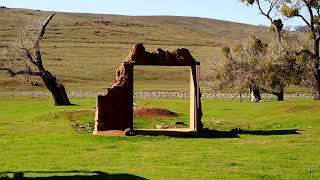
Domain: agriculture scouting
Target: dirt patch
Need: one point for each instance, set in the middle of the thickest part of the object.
(110, 133)
(152, 113)
(82, 120)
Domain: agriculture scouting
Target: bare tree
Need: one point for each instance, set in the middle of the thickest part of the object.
(33, 66)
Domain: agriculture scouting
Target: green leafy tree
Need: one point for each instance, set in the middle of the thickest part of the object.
(280, 68)
(241, 69)
(259, 67)
(309, 12)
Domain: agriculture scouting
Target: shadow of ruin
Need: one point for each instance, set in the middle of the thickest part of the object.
(65, 175)
(114, 110)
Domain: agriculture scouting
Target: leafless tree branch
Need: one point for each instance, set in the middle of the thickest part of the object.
(24, 72)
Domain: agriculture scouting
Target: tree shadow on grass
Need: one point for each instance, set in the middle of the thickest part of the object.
(74, 104)
(207, 133)
(66, 175)
(267, 132)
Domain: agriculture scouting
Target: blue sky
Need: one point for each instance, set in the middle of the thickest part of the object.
(230, 10)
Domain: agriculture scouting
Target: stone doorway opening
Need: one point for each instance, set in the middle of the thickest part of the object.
(161, 99)
(114, 110)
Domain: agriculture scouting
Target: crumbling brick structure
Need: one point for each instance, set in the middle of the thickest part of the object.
(114, 111)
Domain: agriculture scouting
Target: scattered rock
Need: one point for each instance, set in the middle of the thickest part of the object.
(79, 126)
(128, 132)
(163, 126)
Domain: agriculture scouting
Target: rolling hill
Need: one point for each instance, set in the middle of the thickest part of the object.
(84, 50)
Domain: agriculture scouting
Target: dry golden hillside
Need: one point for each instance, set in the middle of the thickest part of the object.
(84, 50)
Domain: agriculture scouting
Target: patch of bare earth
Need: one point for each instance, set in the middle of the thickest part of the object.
(149, 113)
(72, 116)
(153, 113)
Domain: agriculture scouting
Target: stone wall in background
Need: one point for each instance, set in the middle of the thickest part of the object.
(154, 94)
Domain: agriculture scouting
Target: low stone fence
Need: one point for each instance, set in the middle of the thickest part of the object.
(156, 95)
(206, 95)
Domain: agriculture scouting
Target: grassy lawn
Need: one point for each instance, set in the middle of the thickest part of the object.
(38, 137)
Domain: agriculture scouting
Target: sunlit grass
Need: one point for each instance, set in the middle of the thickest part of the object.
(37, 136)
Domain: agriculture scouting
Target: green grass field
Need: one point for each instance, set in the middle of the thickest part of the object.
(38, 139)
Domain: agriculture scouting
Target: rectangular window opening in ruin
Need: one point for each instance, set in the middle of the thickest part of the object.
(115, 109)
(162, 98)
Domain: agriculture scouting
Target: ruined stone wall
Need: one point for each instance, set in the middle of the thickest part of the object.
(114, 110)
(180, 57)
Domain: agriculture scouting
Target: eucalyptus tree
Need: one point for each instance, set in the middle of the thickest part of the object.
(259, 67)
(241, 69)
(308, 11)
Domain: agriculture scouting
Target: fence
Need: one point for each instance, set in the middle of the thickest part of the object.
(156, 95)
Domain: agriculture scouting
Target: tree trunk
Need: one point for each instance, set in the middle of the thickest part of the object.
(317, 85)
(57, 89)
(255, 94)
(316, 67)
(280, 94)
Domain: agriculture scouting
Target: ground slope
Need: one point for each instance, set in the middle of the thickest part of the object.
(85, 49)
